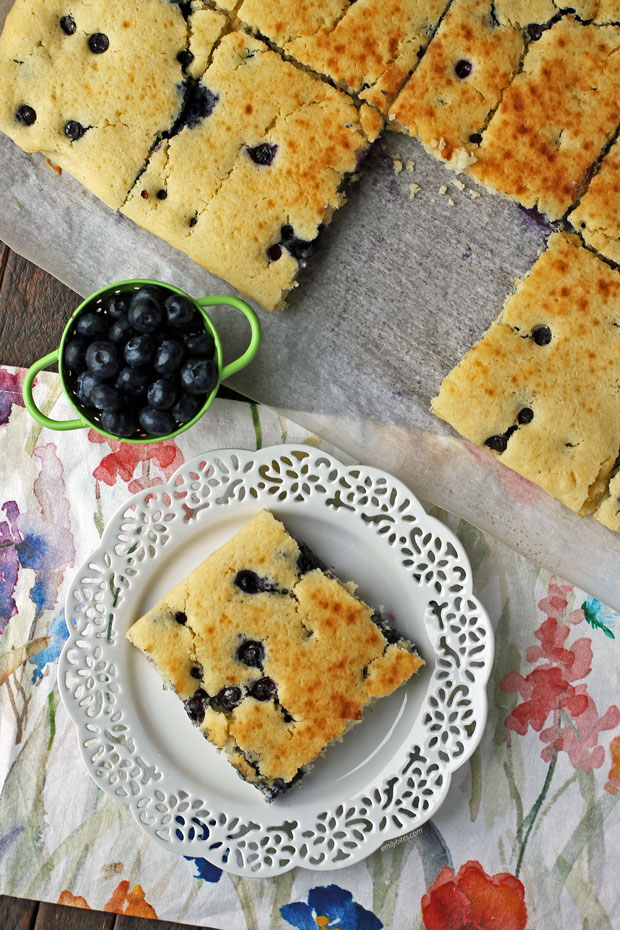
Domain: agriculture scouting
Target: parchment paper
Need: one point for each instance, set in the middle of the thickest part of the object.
(399, 290)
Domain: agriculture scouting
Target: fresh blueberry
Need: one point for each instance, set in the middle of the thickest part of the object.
(274, 252)
(526, 415)
(25, 115)
(251, 653)
(91, 324)
(229, 697)
(541, 335)
(74, 130)
(67, 24)
(199, 376)
(200, 345)
(102, 360)
(161, 194)
(98, 43)
(119, 423)
(186, 407)
(117, 305)
(168, 356)
(463, 68)
(145, 313)
(180, 312)
(134, 381)
(138, 351)
(162, 394)
(156, 422)
(262, 154)
(74, 357)
(84, 384)
(185, 58)
(263, 689)
(195, 706)
(180, 617)
(251, 583)
(152, 290)
(105, 397)
(307, 561)
(121, 331)
(497, 443)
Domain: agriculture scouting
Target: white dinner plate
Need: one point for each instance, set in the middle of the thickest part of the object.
(391, 772)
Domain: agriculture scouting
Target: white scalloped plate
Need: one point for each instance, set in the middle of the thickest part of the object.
(391, 772)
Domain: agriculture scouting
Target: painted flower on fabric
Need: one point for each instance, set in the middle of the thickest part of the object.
(331, 907)
(549, 690)
(125, 458)
(474, 900)
(130, 903)
(59, 634)
(9, 563)
(38, 539)
(613, 779)
(205, 869)
(10, 393)
(580, 739)
(123, 901)
(73, 900)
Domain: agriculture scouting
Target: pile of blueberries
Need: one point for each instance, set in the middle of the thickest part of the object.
(141, 364)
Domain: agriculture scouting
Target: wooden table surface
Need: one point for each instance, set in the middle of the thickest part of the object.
(34, 308)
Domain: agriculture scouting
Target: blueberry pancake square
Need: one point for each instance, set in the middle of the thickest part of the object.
(368, 47)
(93, 83)
(246, 185)
(540, 389)
(240, 641)
(555, 118)
(458, 84)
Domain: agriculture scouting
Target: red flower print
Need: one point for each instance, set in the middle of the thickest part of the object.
(545, 689)
(125, 457)
(580, 740)
(473, 900)
(549, 689)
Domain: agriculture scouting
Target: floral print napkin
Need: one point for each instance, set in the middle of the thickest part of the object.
(527, 837)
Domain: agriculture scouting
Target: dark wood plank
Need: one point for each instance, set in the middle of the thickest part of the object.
(17, 914)
(142, 923)
(34, 308)
(58, 917)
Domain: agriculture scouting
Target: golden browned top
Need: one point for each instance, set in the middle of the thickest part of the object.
(368, 47)
(322, 652)
(460, 80)
(555, 352)
(554, 118)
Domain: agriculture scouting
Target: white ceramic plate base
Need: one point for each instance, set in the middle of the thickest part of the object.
(391, 772)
